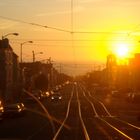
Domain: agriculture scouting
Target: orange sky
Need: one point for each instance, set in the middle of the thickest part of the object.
(121, 16)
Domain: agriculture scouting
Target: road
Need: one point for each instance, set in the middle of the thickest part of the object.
(78, 116)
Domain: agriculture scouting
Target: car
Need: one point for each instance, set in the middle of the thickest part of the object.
(56, 97)
(46, 94)
(35, 93)
(115, 93)
(130, 97)
(1, 108)
(31, 99)
(13, 110)
(56, 88)
(133, 97)
(38, 94)
(52, 92)
(60, 86)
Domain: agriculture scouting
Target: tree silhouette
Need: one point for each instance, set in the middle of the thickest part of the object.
(41, 82)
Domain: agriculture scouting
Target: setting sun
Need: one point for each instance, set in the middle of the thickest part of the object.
(122, 50)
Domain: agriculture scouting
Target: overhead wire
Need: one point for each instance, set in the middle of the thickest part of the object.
(35, 24)
(69, 40)
(71, 31)
(92, 32)
(62, 30)
(72, 35)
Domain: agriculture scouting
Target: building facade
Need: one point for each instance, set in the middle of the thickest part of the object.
(8, 70)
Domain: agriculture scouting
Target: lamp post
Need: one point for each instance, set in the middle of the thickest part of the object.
(35, 54)
(16, 34)
(21, 49)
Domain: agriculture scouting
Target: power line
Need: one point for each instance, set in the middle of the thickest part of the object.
(62, 30)
(69, 40)
(87, 32)
(72, 16)
(35, 24)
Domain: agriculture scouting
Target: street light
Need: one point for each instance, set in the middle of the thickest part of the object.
(21, 49)
(35, 54)
(16, 34)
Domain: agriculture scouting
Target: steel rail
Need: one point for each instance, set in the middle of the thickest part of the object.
(81, 119)
(122, 121)
(41, 128)
(109, 124)
(116, 129)
(66, 117)
(125, 122)
(104, 107)
(93, 107)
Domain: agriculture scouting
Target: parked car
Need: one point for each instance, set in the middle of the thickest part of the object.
(130, 97)
(133, 97)
(1, 108)
(13, 110)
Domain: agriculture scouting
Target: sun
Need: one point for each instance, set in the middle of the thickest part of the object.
(122, 50)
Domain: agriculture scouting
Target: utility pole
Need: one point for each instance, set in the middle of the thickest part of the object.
(21, 45)
(60, 68)
(33, 56)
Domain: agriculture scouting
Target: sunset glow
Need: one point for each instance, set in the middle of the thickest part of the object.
(122, 50)
(100, 27)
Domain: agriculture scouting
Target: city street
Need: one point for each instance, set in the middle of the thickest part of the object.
(77, 116)
(69, 70)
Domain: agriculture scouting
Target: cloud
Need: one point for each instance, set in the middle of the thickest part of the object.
(110, 2)
(6, 24)
(128, 2)
(89, 1)
(76, 10)
(12, 3)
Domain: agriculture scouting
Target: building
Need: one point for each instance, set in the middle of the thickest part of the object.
(134, 66)
(32, 70)
(8, 70)
(111, 68)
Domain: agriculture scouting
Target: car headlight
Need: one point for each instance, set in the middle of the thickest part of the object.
(19, 110)
(60, 97)
(18, 106)
(52, 98)
(1, 109)
(22, 105)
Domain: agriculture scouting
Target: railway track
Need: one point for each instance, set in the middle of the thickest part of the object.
(87, 118)
(46, 129)
(124, 129)
(65, 119)
(73, 120)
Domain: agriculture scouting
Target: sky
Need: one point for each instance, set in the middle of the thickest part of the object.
(111, 22)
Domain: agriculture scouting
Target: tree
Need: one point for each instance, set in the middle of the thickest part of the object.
(41, 82)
